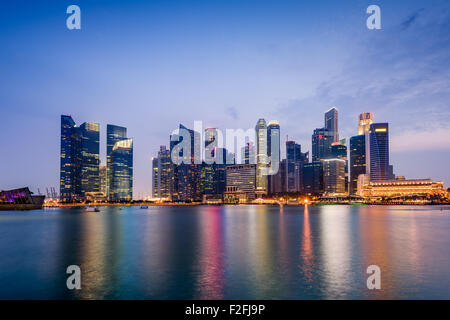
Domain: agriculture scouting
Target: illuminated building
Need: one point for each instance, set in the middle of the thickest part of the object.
(339, 151)
(334, 176)
(273, 142)
(400, 187)
(294, 164)
(278, 181)
(261, 156)
(242, 177)
(70, 178)
(103, 179)
(331, 123)
(321, 144)
(162, 168)
(248, 153)
(185, 181)
(357, 160)
(379, 152)
(114, 134)
(313, 178)
(79, 171)
(365, 120)
(90, 158)
(121, 171)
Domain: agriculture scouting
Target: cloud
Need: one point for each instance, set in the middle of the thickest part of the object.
(232, 112)
(403, 81)
(411, 19)
(435, 139)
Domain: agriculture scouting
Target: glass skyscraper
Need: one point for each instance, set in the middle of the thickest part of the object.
(70, 179)
(357, 160)
(121, 171)
(162, 171)
(379, 151)
(80, 161)
(185, 182)
(313, 178)
(331, 123)
(262, 162)
(322, 140)
(114, 134)
(90, 165)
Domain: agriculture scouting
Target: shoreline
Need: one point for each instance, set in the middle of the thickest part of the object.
(78, 205)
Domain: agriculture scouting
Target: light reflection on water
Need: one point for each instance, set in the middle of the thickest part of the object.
(234, 252)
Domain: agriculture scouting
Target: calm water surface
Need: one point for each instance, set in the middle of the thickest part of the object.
(232, 252)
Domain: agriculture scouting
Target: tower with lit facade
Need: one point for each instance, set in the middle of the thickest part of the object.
(261, 157)
(379, 152)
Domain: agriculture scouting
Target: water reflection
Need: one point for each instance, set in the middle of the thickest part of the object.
(232, 252)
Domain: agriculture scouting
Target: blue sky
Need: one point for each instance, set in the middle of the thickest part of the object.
(149, 65)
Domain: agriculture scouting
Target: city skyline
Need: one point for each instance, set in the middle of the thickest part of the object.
(225, 80)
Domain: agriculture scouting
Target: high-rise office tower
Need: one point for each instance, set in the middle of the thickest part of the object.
(321, 144)
(365, 120)
(155, 177)
(379, 152)
(114, 134)
(79, 173)
(294, 162)
(313, 178)
(103, 179)
(90, 154)
(331, 123)
(261, 157)
(249, 153)
(334, 176)
(357, 160)
(162, 168)
(273, 139)
(273, 142)
(70, 178)
(185, 182)
(121, 171)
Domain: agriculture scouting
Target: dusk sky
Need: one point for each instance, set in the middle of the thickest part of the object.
(150, 65)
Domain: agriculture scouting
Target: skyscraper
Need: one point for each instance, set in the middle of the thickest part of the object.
(357, 160)
(185, 182)
(70, 178)
(365, 120)
(114, 134)
(331, 123)
(294, 162)
(248, 153)
(90, 164)
(121, 171)
(379, 152)
(261, 156)
(162, 168)
(321, 144)
(313, 178)
(334, 176)
(103, 179)
(79, 172)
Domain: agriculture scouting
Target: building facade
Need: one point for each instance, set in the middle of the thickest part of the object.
(313, 178)
(121, 171)
(357, 160)
(334, 176)
(79, 160)
(331, 123)
(379, 152)
(242, 179)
